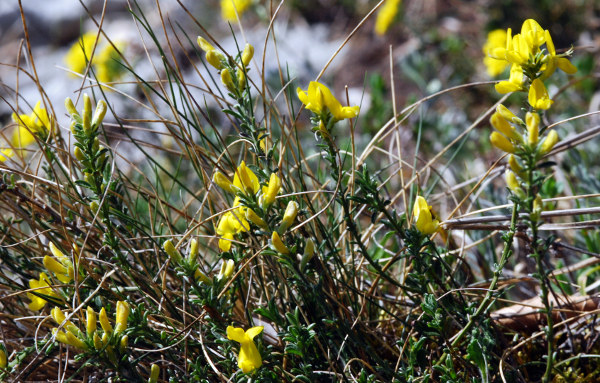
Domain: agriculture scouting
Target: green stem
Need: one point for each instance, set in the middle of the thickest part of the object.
(487, 300)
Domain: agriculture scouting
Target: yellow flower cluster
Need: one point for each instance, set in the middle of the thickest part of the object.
(319, 100)
(386, 15)
(230, 7)
(509, 135)
(245, 183)
(62, 268)
(38, 123)
(249, 358)
(104, 60)
(530, 53)
(110, 338)
(232, 76)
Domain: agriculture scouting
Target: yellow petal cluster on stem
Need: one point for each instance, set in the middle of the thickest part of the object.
(319, 99)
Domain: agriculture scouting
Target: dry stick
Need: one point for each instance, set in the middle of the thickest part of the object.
(458, 222)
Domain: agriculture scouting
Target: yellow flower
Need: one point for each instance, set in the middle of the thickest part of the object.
(229, 8)
(538, 95)
(386, 15)
(495, 39)
(105, 60)
(514, 82)
(423, 219)
(231, 223)
(41, 287)
(245, 179)
(533, 34)
(62, 268)
(501, 142)
(36, 123)
(249, 358)
(318, 99)
(80, 53)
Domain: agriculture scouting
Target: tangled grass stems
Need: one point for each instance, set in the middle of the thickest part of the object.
(251, 244)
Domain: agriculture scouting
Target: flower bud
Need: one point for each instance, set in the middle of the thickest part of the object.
(70, 339)
(227, 80)
(53, 265)
(255, 219)
(90, 322)
(271, 191)
(154, 372)
(226, 269)
(99, 113)
(241, 77)
(70, 107)
(97, 342)
(513, 184)
(289, 216)
(533, 122)
(501, 142)
(123, 343)
(204, 44)
(278, 244)
(122, 315)
(172, 252)
(3, 358)
(309, 252)
(87, 113)
(514, 165)
(247, 54)
(200, 276)
(549, 142)
(502, 125)
(79, 154)
(105, 323)
(215, 59)
(193, 255)
(94, 207)
(508, 115)
(224, 183)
